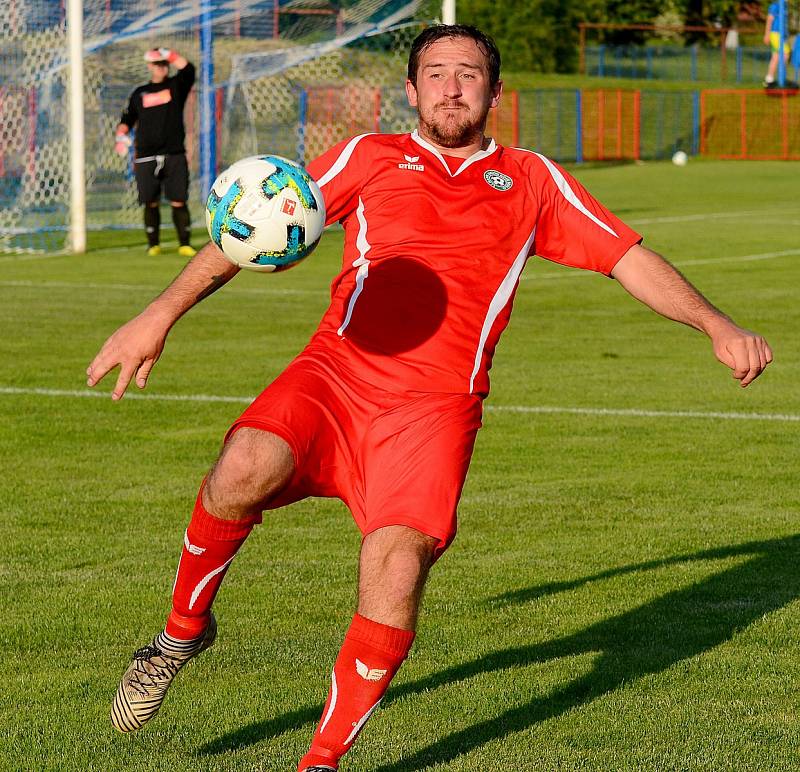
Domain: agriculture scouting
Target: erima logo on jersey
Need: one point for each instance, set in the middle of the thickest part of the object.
(368, 674)
(411, 163)
(498, 180)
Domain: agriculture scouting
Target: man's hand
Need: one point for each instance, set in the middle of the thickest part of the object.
(160, 55)
(745, 352)
(122, 143)
(135, 347)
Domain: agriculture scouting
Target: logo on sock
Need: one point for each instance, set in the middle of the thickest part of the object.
(191, 547)
(374, 674)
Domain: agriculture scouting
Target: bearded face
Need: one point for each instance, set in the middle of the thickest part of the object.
(453, 94)
(452, 123)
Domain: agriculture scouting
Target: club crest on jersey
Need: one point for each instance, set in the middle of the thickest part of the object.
(498, 180)
(412, 163)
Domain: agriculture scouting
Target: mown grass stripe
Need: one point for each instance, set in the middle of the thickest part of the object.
(151, 287)
(266, 290)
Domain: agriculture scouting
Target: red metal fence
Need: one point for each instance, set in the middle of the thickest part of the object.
(754, 125)
(611, 124)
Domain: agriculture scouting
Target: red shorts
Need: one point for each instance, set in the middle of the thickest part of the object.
(393, 459)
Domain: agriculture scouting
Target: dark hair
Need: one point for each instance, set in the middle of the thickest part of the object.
(429, 36)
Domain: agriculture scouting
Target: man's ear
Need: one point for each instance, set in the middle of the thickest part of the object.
(496, 93)
(411, 93)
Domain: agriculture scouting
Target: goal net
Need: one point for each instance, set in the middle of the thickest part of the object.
(301, 102)
(282, 76)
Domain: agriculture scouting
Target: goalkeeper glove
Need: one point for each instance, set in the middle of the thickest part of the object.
(160, 55)
(122, 143)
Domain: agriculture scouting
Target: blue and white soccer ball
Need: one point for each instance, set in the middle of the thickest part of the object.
(265, 213)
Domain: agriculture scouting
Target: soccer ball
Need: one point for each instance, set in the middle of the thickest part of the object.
(680, 158)
(265, 213)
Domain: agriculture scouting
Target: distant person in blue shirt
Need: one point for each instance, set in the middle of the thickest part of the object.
(772, 38)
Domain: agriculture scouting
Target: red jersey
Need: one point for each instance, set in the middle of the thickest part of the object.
(434, 248)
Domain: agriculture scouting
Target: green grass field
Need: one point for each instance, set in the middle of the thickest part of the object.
(624, 592)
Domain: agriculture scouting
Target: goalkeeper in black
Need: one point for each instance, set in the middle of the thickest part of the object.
(155, 109)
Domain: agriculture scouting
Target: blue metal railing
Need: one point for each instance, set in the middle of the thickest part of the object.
(744, 64)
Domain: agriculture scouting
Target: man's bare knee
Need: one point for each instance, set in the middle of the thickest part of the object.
(253, 467)
(394, 566)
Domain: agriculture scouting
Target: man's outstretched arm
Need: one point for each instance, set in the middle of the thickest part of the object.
(137, 345)
(653, 281)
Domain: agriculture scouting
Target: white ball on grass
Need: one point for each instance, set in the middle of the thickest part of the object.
(680, 158)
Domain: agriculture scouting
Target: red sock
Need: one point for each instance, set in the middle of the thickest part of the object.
(370, 656)
(209, 546)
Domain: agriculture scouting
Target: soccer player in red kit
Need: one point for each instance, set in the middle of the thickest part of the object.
(382, 407)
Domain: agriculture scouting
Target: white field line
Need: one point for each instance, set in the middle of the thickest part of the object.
(88, 393)
(740, 258)
(533, 409)
(571, 274)
(760, 213)
(639, 413)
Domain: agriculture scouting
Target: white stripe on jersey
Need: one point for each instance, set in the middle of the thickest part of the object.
(567, 191)
(342, 160)
(360, 262)
(501, 297)
(467, 161)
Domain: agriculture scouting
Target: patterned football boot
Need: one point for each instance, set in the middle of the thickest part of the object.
(144, 684)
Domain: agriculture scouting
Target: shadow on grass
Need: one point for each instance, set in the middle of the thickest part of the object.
(643, 641)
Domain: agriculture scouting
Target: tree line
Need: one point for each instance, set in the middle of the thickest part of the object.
(542, 35)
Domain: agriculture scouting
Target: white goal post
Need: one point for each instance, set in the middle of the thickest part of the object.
(77, 153)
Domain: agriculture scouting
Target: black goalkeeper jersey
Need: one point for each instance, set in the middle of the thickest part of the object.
(156, 109)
